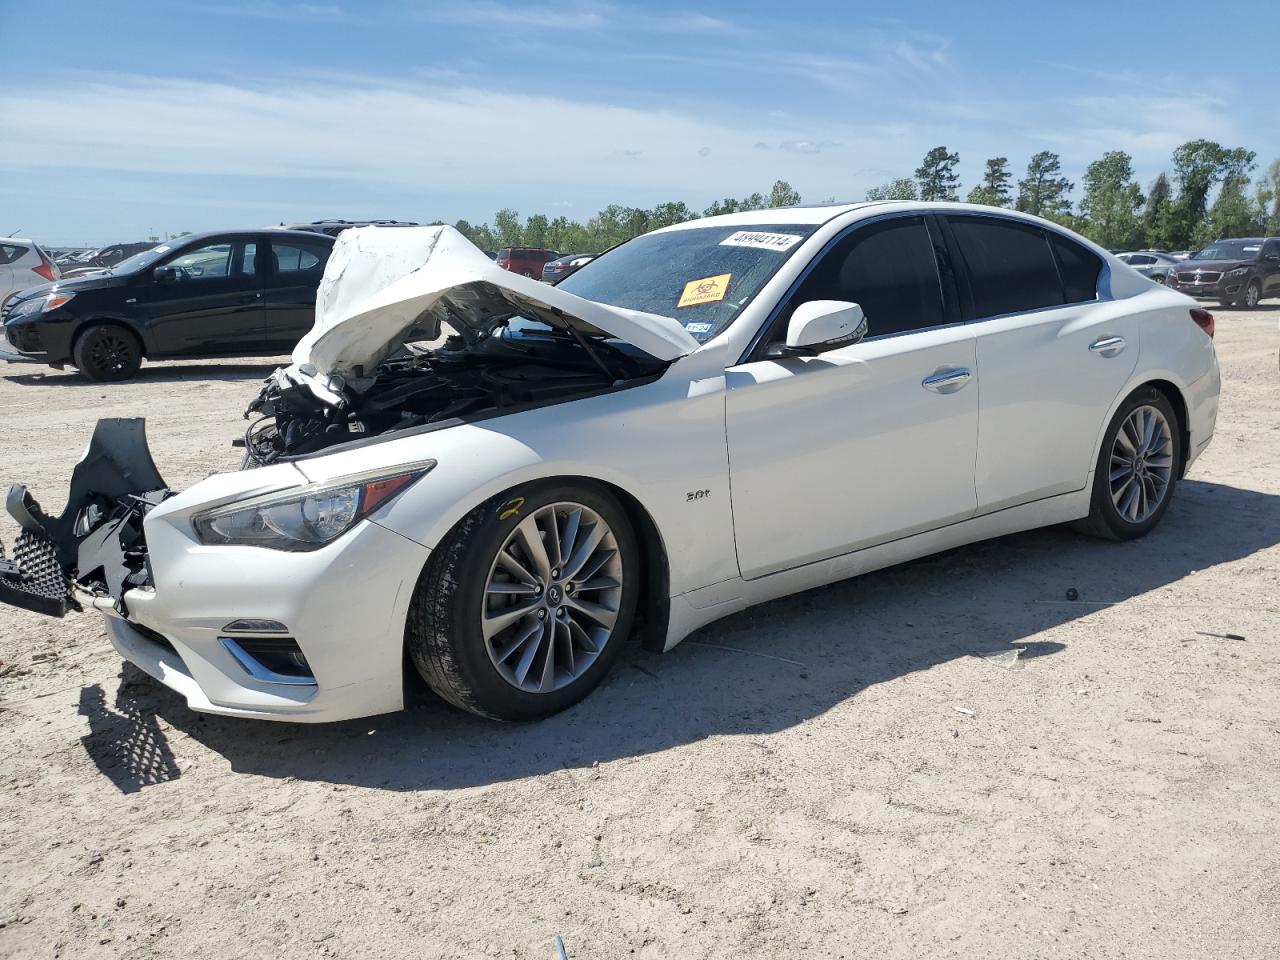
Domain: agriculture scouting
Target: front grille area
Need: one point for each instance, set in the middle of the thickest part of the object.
(25, 339)
(1199, 277)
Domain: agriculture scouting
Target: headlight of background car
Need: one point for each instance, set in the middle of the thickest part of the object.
(306, 519)
(50, 301)
(1237, 272)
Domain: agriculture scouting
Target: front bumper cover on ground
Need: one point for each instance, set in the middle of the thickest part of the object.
(97, 542)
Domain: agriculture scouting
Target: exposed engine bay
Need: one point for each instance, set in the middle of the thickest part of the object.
(501, 372)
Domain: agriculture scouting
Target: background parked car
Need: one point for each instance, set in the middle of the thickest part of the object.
(104, 258)
(561, 267)
(528, 261)
(1238, 272)
(1153, 264)
(214, 294)
(331, 228)
(23, 264)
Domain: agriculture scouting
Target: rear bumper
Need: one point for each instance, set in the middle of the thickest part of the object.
(1202, 410)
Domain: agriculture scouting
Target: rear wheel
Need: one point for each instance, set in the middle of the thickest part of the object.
(1137, 468)
(523, 608)
(106, 352)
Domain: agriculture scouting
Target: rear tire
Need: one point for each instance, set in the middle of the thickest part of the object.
(466, 589)
(1137, 469)
(106, 352)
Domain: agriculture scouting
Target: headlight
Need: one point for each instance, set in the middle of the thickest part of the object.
(50, 301)
(305, 519)
(1237, 272)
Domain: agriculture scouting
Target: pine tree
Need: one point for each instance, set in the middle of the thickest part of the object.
(937, 175)
(994, 189)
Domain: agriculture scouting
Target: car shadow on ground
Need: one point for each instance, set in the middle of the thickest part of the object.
(151, 373)
(760, 671)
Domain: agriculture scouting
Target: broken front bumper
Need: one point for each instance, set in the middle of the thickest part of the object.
(203, 619)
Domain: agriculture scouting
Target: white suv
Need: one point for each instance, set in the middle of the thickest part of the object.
(23, 264)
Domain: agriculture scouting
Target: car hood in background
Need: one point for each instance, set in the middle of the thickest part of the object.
(382, 287)
(1211, 266)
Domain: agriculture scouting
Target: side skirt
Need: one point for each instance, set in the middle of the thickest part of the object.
(697, 608)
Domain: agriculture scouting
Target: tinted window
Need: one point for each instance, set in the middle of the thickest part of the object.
(211, 260)
(1271, 248)
(888, 269)
(291, 258)
(10, 252)
(1011, 269)
(1139, 259)
(1079, 268)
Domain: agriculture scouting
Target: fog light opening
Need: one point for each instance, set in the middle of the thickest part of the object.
(271, 660)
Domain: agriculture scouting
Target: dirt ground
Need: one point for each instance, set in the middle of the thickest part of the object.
(798, 780)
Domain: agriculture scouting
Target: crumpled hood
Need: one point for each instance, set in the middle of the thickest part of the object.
(383, 284)
(1211, 266)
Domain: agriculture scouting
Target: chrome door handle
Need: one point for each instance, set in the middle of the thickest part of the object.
(949, 381)
(1108, 346)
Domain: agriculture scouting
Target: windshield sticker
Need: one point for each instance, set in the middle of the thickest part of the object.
(698, 327)
(761, 241)
(706, 290)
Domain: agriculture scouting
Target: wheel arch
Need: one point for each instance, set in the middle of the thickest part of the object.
(108, 321)
(1172, 392)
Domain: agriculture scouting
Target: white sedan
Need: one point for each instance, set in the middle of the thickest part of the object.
(495, 482)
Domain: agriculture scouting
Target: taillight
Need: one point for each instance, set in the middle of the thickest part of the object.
(46, 269)
(1203, 319)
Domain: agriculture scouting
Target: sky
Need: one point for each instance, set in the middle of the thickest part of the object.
(123, 120)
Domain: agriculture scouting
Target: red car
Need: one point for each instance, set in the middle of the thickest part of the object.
(525, 260)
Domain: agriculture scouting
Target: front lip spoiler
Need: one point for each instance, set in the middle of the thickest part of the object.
(96, 543)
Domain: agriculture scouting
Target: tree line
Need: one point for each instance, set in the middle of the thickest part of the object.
(1175, 213)
(1179, 210)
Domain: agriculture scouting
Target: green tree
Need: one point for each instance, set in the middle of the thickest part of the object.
(535, 231)
(665, 214)
(718, 207)
(1044, 191)
(1197, 166)
(506, 228)
(994, 189)
(903, 188)
(782, 194)
(1110, 206)
(1156, 214)
(937, 175)
(1233, 214)
(1267, 199)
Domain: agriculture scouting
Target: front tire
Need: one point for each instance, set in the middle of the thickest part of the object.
(524, 606)
(1137, 468)
(1252, 295)
(106, 352)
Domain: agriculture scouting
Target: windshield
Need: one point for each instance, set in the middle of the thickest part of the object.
(140, 261)
(1229, 250)
(701, 276)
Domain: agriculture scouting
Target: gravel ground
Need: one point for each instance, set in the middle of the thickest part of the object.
(798, 780)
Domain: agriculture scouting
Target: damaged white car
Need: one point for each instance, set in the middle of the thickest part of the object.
(495, 482)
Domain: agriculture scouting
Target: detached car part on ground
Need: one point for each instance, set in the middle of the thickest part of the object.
(500, 507)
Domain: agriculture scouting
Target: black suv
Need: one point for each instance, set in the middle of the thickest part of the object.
(1233, 272)
(225, 294)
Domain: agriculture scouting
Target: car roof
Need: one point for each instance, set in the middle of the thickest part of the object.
(824, 213)
(16, 240)
(256, 231)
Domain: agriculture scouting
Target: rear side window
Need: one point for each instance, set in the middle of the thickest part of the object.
(9, 252)
(1079, 267)
(293, 257)
(886, 268)
(1011, 267)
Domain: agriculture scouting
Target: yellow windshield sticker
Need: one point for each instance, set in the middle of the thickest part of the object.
(706, 290)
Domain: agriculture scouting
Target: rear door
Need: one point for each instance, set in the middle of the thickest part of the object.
(1271, 268)
(214, 306)
(864, 443)
(1052, 356)
(294, 269)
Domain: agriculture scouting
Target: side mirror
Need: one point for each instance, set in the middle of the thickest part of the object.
(165, 275)
(822, 324)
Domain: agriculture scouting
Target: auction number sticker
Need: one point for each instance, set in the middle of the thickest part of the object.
(706, 290)
(761, 241)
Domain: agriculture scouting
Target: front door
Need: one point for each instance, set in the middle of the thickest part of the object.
(213, 304)
(295, 270)
(1271, 268)
(860, 444)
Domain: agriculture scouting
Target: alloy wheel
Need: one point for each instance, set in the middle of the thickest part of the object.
(111, 353)
(1251, 296)
(1141, 464)
(552, 597)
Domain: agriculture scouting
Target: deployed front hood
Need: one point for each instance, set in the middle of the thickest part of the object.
(382, 287)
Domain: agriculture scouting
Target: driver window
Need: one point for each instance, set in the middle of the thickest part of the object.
(211, 260)
(888, 269)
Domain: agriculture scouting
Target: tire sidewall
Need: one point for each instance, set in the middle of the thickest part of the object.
(498, 518)
(1122, 528)
(86, 339)
(1244, 298)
